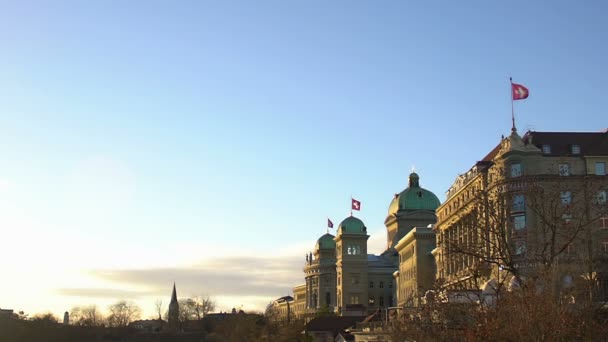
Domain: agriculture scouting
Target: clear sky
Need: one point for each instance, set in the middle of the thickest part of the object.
(206, 142)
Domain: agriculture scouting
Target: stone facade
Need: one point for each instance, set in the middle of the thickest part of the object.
(532, 202)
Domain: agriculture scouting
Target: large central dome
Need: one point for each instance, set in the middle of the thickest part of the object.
(414, 198)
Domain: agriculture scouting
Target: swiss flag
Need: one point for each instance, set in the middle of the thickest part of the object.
(330, 224)
(519, 91)
(356, 205)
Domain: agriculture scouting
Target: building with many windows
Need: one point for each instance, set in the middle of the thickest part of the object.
(536, 202)
(340, 275)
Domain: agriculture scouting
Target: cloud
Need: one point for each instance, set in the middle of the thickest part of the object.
(229, 276)
(101, 293)
(376, 244)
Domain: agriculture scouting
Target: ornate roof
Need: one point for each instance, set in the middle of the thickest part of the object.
(352, 225)
(414, 198)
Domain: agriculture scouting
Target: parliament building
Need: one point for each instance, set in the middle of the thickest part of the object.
(342, 278)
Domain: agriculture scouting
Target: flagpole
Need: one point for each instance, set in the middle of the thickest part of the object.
(351, 205)
(513, 129)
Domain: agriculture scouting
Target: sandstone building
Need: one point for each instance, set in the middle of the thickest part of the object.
(534, 203)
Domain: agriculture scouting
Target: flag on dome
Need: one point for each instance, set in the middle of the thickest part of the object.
(519, 91)
(330, 224)
(356, 205)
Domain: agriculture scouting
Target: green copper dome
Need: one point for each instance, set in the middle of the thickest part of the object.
(414, 198)
(352, 225)
(326, 242)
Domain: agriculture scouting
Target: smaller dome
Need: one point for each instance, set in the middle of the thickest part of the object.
(352, 225)
(326, 242)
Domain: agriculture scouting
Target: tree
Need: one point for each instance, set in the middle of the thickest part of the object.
(158, 305)
(86, 316)
(195, 308)
(122, 313)
(46, 317)
(524, 227)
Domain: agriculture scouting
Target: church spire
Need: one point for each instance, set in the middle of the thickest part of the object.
(173, 295)
(173, 310)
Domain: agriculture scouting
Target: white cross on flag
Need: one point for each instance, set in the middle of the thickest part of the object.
(519, 91)
(356, 205)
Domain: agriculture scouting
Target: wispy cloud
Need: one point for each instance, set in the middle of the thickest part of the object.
(101, 293)
(229, 276)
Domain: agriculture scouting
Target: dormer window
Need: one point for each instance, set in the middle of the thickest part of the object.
(575, 149)
(546, 149)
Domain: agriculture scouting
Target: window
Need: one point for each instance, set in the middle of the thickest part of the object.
(601, 197)
(564, 169)
(353, 250)
(605, 246)
(381, 302)
(390, 300)
(520, 247)
(518, 202)
(566, 197)
(604, 222)
(575, 149)
(354, 299)
(390, 284)
(381, 285)
(354, 278)
(519, 222)
(371, 284)
(515, 170)
(371, 300)
(546, 149)
(570, 250)
(600, 168)
(327, 299)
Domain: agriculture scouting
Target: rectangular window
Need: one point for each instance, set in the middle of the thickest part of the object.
(564, 169)
(515, 170)
(575, 149)
(566, 197)
(605, 246)
(354, 299)
(604, 222)
(570, 250)
(520, 248)
(601, 197)
(519, 222)
(600, 168)
(371, 284)
(546, 149)
(519, 202)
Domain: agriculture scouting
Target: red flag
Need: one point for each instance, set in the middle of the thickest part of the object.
(330, 224)
(356, 205)
(519, 91)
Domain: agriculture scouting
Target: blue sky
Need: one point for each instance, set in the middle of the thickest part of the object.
(162, 141)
